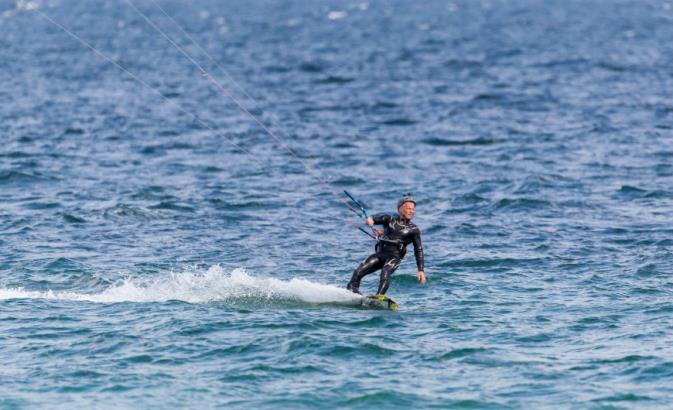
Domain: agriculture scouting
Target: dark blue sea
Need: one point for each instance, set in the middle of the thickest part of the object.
(160, 249)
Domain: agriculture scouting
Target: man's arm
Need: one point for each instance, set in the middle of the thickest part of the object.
(378, 219)
(418, 253)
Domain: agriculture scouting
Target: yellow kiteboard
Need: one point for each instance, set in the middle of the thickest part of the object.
(380, 302)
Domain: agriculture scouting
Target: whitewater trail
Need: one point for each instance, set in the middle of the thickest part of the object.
(213, 285)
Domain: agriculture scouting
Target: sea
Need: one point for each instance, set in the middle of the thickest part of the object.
(174, 233)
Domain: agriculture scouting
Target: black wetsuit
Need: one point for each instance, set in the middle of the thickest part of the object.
(390, 249)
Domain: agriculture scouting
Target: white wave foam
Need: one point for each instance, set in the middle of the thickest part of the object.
(27, 5)
(336, 15)
(210, 286)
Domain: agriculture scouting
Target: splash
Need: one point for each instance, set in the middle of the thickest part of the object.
(214, 285)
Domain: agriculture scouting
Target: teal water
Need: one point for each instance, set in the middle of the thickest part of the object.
(147, 262)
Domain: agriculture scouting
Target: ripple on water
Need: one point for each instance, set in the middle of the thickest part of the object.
(443, 142)
(18, 177)
(460, 353)
(72, 219)
(522, 204)
(173, 206)
(399, 122)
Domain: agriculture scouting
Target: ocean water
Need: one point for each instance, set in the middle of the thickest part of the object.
(153, 259)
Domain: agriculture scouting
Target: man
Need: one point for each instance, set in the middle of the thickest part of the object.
(398, 232)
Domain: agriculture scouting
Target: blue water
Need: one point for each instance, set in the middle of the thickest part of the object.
(148, 259)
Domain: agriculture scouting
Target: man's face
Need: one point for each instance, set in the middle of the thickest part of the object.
(407, 210)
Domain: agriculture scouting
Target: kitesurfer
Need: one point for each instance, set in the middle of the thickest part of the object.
(398, 232)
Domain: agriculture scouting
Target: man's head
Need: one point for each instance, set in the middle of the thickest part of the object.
(406, 206)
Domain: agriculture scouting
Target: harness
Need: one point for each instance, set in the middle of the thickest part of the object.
(396, 245)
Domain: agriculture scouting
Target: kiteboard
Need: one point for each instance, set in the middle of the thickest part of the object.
(379, 302)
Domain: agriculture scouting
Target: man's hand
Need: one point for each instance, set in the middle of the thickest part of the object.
(421, 277)
(370, 221)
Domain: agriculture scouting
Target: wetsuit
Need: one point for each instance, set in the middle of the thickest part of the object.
(390, 249)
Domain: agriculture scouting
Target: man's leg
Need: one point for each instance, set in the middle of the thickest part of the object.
(369, 265)
(386, 272)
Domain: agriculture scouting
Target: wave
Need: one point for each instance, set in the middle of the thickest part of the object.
(214, 285)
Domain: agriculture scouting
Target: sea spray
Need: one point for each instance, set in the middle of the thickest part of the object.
(213, 285)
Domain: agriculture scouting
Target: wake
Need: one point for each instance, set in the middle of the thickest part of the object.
(214, 285)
